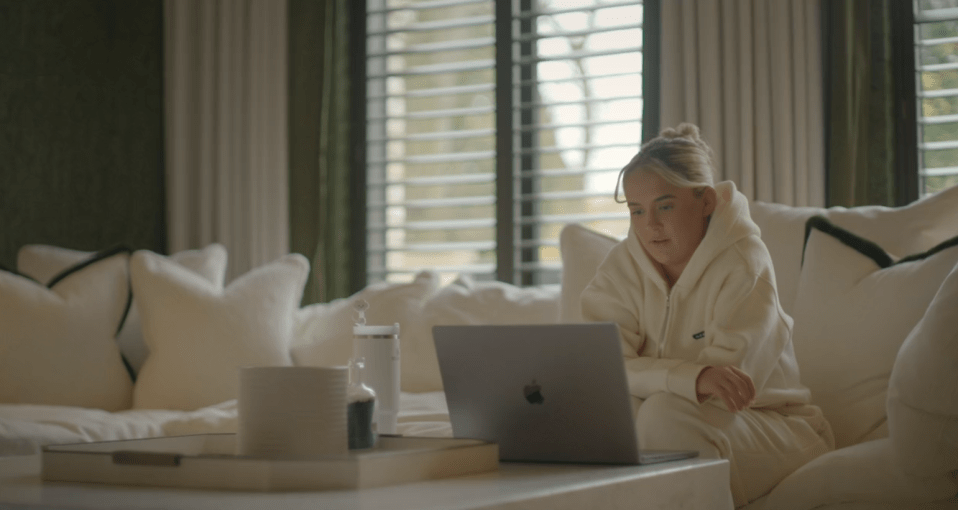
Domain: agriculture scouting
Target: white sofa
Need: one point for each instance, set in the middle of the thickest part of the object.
(877, 343)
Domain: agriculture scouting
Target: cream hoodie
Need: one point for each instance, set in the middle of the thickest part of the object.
(723, 310)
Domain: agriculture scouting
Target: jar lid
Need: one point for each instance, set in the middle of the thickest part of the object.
(376, 330)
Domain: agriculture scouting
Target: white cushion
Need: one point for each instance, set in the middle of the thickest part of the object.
(582, 250)
(852, 314)
(923, 390)
(199, 333)
(43, 262)
(900, 231)
(57, 344)
(325, 333)
(466, 301)
(867, 472)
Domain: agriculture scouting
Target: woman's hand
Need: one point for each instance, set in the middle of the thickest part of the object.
(730, 384)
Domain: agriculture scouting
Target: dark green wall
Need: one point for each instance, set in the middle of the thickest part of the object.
(81, 124)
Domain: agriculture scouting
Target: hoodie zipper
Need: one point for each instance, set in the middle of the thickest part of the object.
(665, 324)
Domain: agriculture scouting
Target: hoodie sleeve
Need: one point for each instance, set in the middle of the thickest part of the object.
(611, 297)
(602, 301)
(748, 330)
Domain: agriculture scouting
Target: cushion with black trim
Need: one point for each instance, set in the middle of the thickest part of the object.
(57, 341)
(43, 262)
(854, 308)
(900, 231)
(200, 333)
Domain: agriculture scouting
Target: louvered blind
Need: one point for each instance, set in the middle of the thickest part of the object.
(936, 38)
(442, 194)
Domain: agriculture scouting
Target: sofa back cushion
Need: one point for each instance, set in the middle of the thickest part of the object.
(853, 311)
(326, 335)
(900, 231)
(582, 250)
(324, 332)
(466, 301)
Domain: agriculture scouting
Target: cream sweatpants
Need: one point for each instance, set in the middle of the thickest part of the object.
(762, 446)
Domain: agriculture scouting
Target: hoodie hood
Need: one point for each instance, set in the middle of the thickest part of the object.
(729, 223)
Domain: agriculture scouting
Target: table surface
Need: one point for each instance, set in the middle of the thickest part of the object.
(685, 484)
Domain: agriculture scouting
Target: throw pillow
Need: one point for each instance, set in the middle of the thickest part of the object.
(43, 262)
(466, 301)
(900, 231)
(853, 310)
(199, 333)
(325, 331)
(867, 472)
(57, 342)
(923, 390)
(582, 250)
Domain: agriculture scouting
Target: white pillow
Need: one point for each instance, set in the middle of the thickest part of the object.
(57, 344)
(466, 301)
(853, 310)
(923, 390)
(199, 333)
(900, 231)
(43, 262)
(582, 250)
(867, 472)
(325, 333)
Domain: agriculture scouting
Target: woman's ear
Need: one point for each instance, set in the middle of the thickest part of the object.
(710, 201)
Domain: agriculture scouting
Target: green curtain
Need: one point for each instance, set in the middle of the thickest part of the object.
(319, 129)
(864, 94)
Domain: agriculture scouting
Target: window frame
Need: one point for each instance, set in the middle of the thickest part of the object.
(357, 221)
(508, 208)
(907, 179)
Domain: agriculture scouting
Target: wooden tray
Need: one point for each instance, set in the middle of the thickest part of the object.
(207, 461)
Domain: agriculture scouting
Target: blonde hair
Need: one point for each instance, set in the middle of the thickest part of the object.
(679, 155)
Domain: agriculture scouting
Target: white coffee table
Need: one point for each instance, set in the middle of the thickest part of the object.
(687, 484)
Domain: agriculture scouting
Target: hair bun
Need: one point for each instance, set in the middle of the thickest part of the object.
(688, 130)
(683, 130)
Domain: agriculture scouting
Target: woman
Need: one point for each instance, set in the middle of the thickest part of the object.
(707, 347)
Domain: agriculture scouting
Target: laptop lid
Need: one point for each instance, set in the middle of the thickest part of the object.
(555, 392)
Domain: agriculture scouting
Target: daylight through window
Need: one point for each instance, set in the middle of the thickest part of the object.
(437, 186)
(936, 38)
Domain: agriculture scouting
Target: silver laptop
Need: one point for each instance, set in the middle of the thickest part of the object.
(544, 393)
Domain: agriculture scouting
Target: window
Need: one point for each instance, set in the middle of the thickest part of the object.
(936, 39)
(490, 125)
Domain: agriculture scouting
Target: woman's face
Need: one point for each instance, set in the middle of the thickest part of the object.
(669, 221)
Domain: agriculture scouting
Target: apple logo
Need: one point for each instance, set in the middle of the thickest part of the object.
(533, 393)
